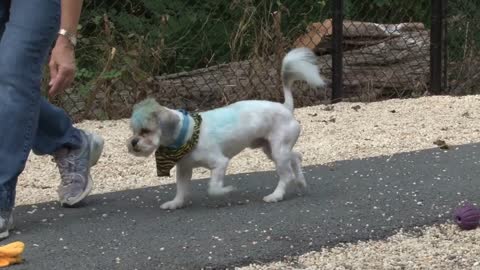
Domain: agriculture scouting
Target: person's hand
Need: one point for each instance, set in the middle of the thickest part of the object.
(62, 66)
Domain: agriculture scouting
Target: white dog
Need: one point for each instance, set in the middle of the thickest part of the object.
(214, 137)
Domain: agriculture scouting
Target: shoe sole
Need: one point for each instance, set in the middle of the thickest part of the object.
(96, 142)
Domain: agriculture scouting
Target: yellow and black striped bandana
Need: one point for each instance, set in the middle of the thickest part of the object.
(166, 157)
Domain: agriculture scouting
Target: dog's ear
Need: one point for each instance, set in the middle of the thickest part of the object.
(167, 120)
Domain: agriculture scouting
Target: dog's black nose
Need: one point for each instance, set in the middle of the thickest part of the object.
(135, 141)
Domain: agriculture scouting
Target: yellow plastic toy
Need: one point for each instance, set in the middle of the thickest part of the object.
(11, 253)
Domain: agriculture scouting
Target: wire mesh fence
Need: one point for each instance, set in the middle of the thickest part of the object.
(203, 54)
(386, 49)
(463, 47)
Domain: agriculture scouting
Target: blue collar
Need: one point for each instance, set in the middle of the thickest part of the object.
(183, 130)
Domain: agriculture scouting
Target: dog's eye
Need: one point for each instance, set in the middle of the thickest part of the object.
(144, 131)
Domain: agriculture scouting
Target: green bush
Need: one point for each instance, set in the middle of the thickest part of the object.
(171, 36)
(388, 11)
(157, 37)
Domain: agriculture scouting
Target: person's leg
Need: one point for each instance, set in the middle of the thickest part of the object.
(75, 152)
(29, 30)
(55, 130)
(5, 208)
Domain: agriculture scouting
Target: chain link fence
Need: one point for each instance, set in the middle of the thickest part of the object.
(386, 49)
(462, 47)
(204, 54)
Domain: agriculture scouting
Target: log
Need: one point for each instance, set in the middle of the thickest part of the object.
(220, 85)
(380, 60)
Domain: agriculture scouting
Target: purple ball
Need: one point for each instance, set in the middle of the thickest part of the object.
(467, 217)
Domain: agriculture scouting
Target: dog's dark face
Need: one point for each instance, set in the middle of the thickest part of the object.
(152, 125)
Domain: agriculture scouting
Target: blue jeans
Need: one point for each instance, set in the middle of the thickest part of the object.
(27, 120)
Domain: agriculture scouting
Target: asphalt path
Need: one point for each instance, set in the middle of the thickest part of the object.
(345, 201)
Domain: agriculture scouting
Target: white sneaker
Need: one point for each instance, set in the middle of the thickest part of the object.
(6, 223)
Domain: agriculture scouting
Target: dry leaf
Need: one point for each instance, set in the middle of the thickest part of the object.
(356, 107)
(442, 144)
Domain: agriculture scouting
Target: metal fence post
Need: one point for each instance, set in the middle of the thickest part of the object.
(436, 46)
(337, 50)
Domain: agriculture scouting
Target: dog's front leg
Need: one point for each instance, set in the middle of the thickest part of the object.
(184, 176)
(215, 186)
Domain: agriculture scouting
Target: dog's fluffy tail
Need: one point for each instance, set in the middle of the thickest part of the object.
(299, 65)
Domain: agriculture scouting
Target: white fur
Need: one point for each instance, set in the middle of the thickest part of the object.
(226, 131)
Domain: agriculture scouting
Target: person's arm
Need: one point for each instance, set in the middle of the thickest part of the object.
(62, 61)
(71, 10)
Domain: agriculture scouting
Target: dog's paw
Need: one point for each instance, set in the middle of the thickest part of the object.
(272, 198)
(220, 191)
(172, 205)
(301, 183)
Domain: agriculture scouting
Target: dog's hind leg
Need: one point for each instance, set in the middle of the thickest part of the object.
(286, 161)
(297, 169)
(267, 150)
(296, 164)
(184, 176)
(285, 172)
(215, 186)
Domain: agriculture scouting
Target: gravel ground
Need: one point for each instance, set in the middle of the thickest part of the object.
(438, 247)
(340, 132)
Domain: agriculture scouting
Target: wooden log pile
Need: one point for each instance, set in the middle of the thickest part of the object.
(380, 60)
(227, 83)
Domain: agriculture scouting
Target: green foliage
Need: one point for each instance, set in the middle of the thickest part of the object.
(171, 36)
(463, 29)
(388, 11)
(164, 36)
(155, 37)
